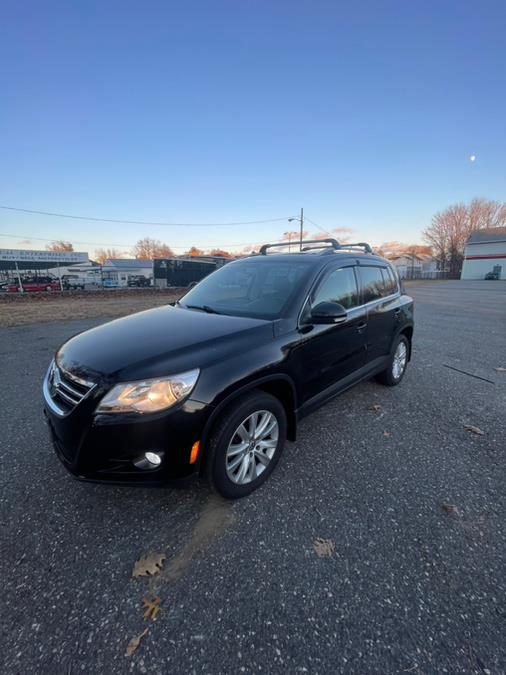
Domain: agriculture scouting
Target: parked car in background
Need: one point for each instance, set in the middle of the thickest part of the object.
(34, 284)
(217, 383)
(138, 280)
(72, 281)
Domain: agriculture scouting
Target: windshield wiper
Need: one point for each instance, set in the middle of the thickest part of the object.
(203, 308)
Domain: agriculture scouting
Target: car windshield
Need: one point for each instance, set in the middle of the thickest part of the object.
(259, 287)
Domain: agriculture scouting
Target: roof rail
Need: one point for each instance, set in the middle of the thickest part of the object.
(333, 242)
(326, 249)
(361, 244)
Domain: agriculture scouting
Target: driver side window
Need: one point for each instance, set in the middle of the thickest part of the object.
(339, 287)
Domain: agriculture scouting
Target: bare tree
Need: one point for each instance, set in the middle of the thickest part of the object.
(147, 249)
(486, 213)
(450, 229)
(194, 252)
(60, 246)
(220, 252)
(393, 249)
(250, 249)
(103, 254)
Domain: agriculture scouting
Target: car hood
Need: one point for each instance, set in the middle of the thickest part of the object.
(160, 341)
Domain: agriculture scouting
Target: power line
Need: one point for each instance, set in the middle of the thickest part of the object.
(139, 222)
(101, 244)
(318, 226)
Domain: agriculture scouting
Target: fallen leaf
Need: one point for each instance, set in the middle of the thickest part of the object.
(149, 565)
(451, 509)
(375, 407)
(500, 369)
(387, 434)
(135, 642)
(474, 430)
(152, 608)
(324, 548)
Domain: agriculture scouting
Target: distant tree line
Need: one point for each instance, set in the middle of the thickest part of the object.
(148, 248)
(445, 238)
(450, 229)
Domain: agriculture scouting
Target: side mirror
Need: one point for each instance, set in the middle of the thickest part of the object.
(328, 312)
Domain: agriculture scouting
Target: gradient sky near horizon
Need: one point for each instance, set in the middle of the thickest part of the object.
(364, 113)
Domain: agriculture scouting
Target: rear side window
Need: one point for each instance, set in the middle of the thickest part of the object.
(373, 283)
(339, 287)
(389, 281)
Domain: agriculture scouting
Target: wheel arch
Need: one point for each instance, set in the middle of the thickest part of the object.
(279, 386)
(407, 331)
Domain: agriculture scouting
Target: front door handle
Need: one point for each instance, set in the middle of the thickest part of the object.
(361, 326)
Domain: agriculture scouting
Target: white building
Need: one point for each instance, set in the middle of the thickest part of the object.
(116, 271)
(17, 262)
(417, 266)
(485, 251)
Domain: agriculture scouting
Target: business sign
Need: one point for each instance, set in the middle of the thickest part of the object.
(56, 257)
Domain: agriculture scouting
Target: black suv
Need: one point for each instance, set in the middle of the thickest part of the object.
(215, 384)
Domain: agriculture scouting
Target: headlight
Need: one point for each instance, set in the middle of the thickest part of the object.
(148, 395)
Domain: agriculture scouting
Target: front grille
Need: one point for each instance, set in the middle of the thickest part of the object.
(65, 390)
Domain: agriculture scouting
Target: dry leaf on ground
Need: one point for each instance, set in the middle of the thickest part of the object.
(134, 643)
(324, 548)
(375, 407)
(474, 430)
(149, 565)
(152, 607)
(451, 509)
(500, 369)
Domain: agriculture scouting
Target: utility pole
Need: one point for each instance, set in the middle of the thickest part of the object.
(301, 227)
(21, 289)
(288, 235)
(301, 222)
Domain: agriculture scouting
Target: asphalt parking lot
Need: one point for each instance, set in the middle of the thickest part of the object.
(415, 504)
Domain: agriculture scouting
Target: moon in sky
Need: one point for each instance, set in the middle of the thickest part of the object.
(472, 158)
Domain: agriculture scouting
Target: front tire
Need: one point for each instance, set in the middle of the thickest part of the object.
(246, 444)
(393, 375)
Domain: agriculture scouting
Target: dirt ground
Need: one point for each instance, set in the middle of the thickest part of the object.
(17, 310)
(20, 310)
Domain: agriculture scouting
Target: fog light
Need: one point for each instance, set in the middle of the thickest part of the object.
(153, 458)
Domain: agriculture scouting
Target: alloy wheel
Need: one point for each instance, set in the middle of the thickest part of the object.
(400, 360)
(252, 447)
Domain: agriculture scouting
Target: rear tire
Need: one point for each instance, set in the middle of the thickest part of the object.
(246, 444)
(398, 362)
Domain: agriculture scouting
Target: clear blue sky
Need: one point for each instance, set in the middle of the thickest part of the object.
(365, 113)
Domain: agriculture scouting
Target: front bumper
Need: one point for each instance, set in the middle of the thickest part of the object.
(103, 448)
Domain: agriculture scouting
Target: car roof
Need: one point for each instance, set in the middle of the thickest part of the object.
(320, 252)
(320, 259)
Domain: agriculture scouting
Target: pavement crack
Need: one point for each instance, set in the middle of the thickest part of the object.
(464, 372)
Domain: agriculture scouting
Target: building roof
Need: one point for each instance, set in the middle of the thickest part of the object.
(421, 257)
(488, 235)
(128, 263)
(407, 256)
